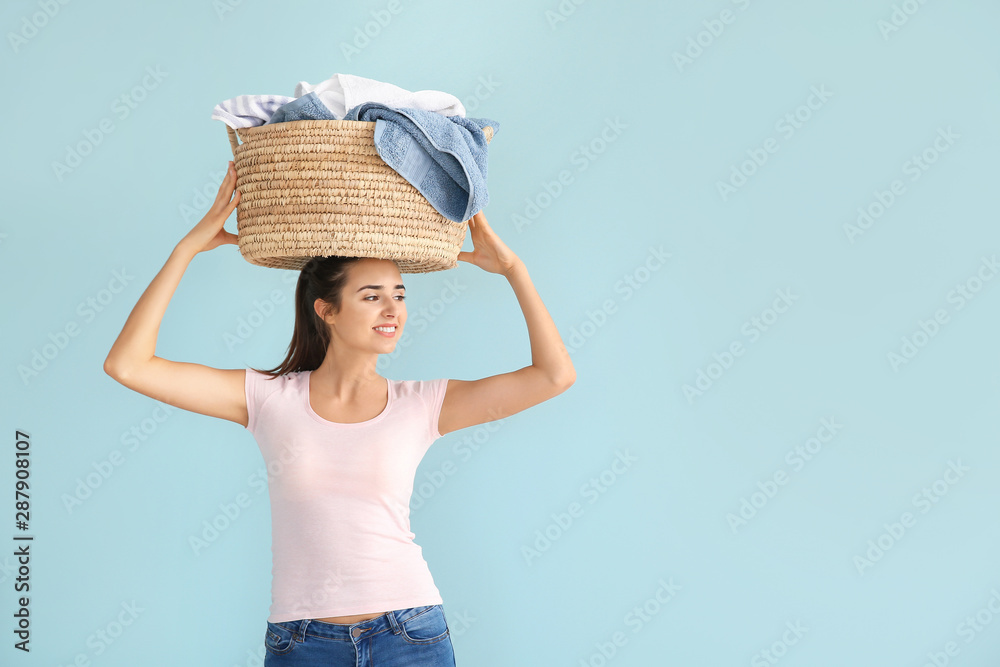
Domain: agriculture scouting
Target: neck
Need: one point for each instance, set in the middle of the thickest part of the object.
(346, 374)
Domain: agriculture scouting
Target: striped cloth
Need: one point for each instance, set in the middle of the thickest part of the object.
(248, 110)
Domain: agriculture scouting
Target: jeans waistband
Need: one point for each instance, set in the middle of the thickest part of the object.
(390, 621)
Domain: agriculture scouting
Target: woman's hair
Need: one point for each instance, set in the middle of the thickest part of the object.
(321, 278)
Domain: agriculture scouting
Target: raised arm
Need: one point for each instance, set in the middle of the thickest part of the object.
(132, 360)
(470, 402)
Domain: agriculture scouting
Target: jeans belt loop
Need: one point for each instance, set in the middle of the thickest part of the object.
(393, 622)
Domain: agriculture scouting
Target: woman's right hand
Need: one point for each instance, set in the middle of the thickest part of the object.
(209, 232)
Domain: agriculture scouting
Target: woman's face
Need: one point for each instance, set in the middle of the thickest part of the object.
(373, 297)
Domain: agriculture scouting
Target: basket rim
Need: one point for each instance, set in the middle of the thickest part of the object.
(304, 124)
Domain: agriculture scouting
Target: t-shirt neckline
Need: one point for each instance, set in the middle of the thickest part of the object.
(322, 420)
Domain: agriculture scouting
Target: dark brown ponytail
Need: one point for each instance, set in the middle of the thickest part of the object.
(321, 278)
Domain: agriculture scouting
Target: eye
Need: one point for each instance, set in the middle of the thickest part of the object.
(375, 296)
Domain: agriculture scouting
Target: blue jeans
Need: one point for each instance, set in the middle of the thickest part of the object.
(416, 636)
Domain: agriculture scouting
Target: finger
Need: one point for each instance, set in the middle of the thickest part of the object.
(464, 256)
(226, 187)
(225, 207)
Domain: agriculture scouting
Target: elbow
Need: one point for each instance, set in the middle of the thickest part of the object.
(113, 368)
(566, 380)
(559, 380)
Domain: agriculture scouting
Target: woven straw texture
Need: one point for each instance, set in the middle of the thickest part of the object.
(318, 187)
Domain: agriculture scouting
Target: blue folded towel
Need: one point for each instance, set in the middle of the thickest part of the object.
(307, 107)
(443, 157)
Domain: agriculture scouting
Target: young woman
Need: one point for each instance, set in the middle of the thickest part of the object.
(342, 444)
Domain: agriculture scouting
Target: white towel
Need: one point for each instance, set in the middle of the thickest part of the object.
(248, 110)
(342, 92)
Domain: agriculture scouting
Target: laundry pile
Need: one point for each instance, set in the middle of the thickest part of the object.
(424, 136)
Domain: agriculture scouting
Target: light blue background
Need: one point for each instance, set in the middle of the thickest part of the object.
(554, 86)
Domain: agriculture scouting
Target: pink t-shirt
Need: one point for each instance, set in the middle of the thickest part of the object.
(340, 498)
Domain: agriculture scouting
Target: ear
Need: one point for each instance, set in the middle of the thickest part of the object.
(322, 308)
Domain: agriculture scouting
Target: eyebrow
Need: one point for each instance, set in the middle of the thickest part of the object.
(379, 287)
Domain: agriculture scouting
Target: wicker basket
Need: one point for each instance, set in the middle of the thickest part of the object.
(318, 187)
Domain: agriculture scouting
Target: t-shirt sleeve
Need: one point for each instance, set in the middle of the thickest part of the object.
(257, 386)
(433, 392)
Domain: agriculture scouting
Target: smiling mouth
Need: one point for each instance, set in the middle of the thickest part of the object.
(388, 332)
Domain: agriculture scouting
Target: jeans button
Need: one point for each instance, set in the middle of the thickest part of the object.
(356, 631)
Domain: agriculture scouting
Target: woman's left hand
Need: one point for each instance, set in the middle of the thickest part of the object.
(490, 253)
